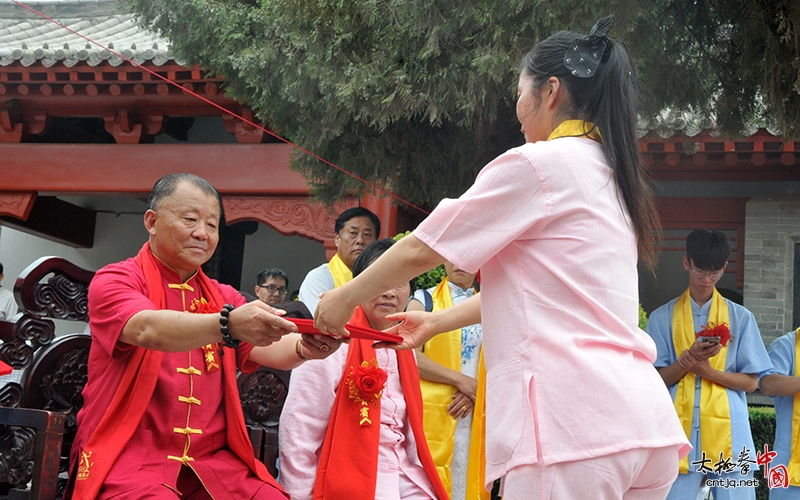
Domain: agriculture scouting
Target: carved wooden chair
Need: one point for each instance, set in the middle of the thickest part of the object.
(263, 394)
(38, 409)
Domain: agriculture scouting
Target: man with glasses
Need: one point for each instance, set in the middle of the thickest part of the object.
(710, 353)
(272, 284)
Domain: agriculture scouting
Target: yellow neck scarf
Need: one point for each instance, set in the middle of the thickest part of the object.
(794, 459)
(715, 412)
(576, 128)
(339, 270)
(439, 426)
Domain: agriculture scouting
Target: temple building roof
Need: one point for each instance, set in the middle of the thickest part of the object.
(669, 123)
(28, 38)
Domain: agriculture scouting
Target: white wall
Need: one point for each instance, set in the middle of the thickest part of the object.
(116, 238)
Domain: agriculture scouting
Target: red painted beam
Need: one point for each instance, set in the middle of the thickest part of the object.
(244, 169)
(16, 204)
(685, 212)
(177, 103)
(720, 166)
(58, 221)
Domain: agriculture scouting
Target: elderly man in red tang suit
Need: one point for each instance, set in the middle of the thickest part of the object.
(162, 418)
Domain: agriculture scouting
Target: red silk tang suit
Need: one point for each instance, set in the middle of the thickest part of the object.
(185, 421)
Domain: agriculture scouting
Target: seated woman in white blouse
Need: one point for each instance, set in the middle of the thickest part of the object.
(358, 414)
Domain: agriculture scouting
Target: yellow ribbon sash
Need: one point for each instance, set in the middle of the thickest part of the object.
(439, 426)
(715, 412)
(476, 467)
(794, 459)
(339, 270)
(576, 128)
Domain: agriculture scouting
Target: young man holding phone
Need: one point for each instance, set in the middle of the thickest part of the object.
(710, 353)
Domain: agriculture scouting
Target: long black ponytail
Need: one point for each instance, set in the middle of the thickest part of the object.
(608, 99)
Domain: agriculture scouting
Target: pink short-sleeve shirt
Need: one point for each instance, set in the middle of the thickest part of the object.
(569, 373)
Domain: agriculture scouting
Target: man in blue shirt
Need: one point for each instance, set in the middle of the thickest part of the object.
(783, 383)
(708, 377)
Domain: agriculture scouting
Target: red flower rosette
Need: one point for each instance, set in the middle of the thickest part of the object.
(202, 306)
(369, 381)
(366, 383)
(722, 331)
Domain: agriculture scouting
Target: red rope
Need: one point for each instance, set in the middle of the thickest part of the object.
(245, 120)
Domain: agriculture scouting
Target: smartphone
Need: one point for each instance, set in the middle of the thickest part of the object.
(710, 340)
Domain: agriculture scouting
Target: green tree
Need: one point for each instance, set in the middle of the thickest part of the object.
(417, 95)
(413, 95)
(736, 61)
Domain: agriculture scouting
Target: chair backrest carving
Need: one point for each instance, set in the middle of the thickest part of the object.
(62, 295)
(51, 287)
(263, 393)
(30, 452)
(39, 421)
(55, 380)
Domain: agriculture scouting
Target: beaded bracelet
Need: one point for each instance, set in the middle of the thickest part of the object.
(223, 321)
(299, 350)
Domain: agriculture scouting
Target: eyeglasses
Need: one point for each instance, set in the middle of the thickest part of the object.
(714, 275)
(272, 289)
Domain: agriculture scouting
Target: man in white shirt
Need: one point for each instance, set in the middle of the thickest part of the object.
(355, 228)
(8, 306)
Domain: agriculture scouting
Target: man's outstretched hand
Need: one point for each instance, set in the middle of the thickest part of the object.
(259, 324)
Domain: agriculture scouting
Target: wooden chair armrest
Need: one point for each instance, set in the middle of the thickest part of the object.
(31, 449)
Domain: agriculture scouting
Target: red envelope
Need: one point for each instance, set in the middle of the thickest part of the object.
(5, 369)
(356, 332)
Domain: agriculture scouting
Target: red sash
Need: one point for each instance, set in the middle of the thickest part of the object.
(126, 410)
(350, 451)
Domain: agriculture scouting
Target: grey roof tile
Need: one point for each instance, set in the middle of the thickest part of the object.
(29, 39)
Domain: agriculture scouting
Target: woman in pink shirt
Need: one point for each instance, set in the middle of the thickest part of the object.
(574, 407)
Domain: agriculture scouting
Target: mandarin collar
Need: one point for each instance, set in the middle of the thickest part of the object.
(170, 274)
